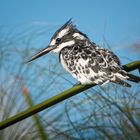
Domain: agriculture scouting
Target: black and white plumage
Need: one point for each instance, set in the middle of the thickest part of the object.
(85, 60)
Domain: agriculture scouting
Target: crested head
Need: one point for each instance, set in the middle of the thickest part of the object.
(65, 36)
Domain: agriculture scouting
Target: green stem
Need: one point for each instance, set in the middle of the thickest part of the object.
(56, 99)
(132, 66)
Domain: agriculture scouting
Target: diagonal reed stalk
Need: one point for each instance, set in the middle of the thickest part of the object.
(56, 99)
(36, 117)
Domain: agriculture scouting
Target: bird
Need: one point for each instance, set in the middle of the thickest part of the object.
(84, 60)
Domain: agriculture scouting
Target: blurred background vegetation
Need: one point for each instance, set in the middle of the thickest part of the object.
(109, 112)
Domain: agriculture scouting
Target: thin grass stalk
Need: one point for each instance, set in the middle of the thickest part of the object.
(36, 117)
(56, 99)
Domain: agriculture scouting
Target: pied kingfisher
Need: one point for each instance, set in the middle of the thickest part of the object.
(84, 60)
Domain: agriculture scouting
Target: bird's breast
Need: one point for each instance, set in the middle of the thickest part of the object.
(76, 64)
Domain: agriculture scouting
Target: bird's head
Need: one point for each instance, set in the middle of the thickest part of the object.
(66, 36)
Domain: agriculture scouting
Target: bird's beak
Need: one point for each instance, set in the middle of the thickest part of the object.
(41, 53)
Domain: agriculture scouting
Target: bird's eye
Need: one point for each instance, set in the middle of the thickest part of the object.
(58, 40)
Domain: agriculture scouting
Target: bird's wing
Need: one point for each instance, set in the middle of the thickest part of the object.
(109, 57)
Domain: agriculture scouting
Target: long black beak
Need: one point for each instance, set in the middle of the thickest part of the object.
(41, 53)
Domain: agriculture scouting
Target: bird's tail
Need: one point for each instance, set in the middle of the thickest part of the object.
(120, 77)
(133, 78)
(121, 82)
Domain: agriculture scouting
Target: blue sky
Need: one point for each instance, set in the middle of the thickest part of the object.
(118, 21)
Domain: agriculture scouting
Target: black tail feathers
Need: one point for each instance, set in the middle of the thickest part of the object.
(121, 82)
(133, 78)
